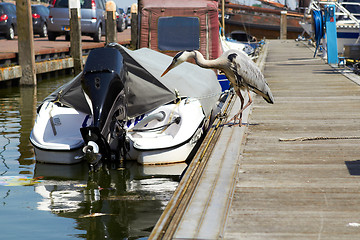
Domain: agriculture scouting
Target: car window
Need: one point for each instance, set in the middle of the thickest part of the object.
(33, 9)
(85, 4)
(13, 7)
(100, 4)
(45, 11)
(2, 11)
(8, 9)
(61, 4)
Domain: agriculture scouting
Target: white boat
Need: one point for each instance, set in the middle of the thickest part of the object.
(239, 40)
(56, 135)
(120, 107)
(347, 21)
(168, 134)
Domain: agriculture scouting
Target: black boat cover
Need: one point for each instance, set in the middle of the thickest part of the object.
(145, 90)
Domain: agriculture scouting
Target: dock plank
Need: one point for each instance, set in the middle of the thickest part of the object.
(299, 190)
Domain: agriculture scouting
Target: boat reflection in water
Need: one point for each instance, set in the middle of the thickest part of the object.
(111, 204)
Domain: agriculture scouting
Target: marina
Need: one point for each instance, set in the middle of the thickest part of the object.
(128, 147)
(253, 186)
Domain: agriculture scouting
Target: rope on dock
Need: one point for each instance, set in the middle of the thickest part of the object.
(301, 139)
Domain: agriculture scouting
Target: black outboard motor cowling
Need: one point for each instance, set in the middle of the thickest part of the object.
(103, 80)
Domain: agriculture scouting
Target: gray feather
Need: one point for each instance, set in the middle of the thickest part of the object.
(250, 74)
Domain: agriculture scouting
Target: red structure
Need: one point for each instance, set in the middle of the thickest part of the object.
(169, 26)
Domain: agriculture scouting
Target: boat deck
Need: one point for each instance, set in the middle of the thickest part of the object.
(255, 186)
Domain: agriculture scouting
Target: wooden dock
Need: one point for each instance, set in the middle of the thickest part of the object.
(50, 56)
(255, 186)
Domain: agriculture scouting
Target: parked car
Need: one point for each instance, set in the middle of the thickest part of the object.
(40, 14)
(124, 16)
(120, 21)
(92, 19)
(8, 22)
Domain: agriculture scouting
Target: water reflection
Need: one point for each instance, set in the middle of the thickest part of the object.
(27, 111)
(110, 203)
(9, 128)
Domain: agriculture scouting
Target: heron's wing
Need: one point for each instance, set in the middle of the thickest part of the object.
(250, 73)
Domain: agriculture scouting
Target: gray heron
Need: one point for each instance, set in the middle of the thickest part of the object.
(241, 71)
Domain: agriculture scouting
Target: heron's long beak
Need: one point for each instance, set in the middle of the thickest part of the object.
(171, 66)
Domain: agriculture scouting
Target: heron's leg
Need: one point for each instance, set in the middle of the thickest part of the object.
(236, 116)
(248, 103)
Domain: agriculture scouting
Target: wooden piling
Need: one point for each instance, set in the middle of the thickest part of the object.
(25, 42)
(110, 22)
(134, 26)
(75, 40)
(283, 25)
(110, 27)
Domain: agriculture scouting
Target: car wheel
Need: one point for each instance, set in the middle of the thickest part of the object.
(97, 35)
(10, 35)
(44, 31)
(122, 26)
(51, 36)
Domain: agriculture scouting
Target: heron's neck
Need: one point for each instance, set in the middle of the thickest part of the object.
(202, 62)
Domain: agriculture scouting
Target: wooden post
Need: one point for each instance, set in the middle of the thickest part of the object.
(134, 26)
(223, 16)
(110, 22)
(283, 25)
(75, 39)
(26, 42)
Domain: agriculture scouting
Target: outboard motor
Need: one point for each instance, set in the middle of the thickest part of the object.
(103, 81)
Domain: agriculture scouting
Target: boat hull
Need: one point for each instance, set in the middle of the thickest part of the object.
(58, 157)
(346, 36)
(263, 26)
(163, 156)
(261, 22)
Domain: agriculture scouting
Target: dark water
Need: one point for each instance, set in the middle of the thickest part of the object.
(43, 201)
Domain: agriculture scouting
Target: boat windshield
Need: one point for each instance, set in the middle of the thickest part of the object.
(353, 6)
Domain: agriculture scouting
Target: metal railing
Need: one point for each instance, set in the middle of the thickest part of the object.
(340, 7)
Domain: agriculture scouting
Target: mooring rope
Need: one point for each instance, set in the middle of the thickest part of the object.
(301, 139)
